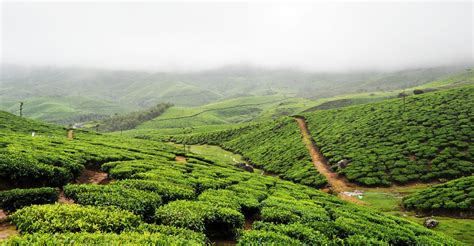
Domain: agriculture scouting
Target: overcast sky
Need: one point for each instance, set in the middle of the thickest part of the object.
(162, 36)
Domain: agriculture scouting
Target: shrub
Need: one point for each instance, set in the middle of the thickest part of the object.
(139, 202)
(200, 216)
(266, 238)
(60, 218)
(14, 199)
(128, 238)
(167, 190)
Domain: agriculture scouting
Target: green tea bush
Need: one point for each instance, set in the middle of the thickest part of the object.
(455, 196)
(167, 190)
(266, 238)
(60, 218)
(139, 202)
(129, 238)
(14, 199)
(171, 231)
(298, 231)
(200, 216)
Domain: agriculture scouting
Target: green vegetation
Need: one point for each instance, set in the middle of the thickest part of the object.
(49, 159)
(389, 200)
(237, 110)
(426, 138)
(274, 146)
(131, 120)
(139, 202)
(14, 199)
(53, 94)
(453, 197)
(201, 194)
(59, 218)
(129, 238)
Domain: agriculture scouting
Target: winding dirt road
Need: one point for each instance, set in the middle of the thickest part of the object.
(338, 184)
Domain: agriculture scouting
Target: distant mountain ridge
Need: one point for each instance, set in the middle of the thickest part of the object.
(55, 94)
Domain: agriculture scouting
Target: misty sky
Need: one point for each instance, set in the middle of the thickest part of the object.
(162, 36)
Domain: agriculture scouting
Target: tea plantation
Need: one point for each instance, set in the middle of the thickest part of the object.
(453, 197)
(426, 138)
(275, 146)
(156, 200)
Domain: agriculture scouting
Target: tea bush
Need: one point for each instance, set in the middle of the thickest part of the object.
(140, 202)
(455, 196)
(14, 199)
(60, 218)
(129, 238)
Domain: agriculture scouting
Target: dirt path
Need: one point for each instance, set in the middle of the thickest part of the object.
(338, 184)
(7, 229)
(180, 158)
(89, 176)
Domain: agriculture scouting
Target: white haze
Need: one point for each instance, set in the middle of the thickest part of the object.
(168, 36)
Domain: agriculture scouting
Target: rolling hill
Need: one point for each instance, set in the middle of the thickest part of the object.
(53, 94)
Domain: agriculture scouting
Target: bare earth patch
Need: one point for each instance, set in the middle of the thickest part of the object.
(180, 158)
(338, 183)
(7, 229)
(89, 176)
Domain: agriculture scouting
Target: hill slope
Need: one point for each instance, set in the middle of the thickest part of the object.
(156, 199)
(453, 197)
(427, 137)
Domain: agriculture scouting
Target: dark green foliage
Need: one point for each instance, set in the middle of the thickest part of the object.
(133, 119)
(60, 218)
(387, 142)
(14, 199)
(455, 196)
(139, 202)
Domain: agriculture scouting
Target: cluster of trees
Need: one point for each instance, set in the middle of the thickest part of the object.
(455, 196)
(133, 119)
(423, 137)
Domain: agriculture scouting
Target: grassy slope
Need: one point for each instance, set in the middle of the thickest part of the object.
(430, 139)
(389, 200)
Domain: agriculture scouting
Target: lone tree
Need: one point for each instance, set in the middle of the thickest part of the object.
(21, 109)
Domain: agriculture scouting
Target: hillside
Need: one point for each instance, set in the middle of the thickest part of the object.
(426, 138)
(49, 158)
(152, 198)
(273, 146)
(453, 197)
(52, 94)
